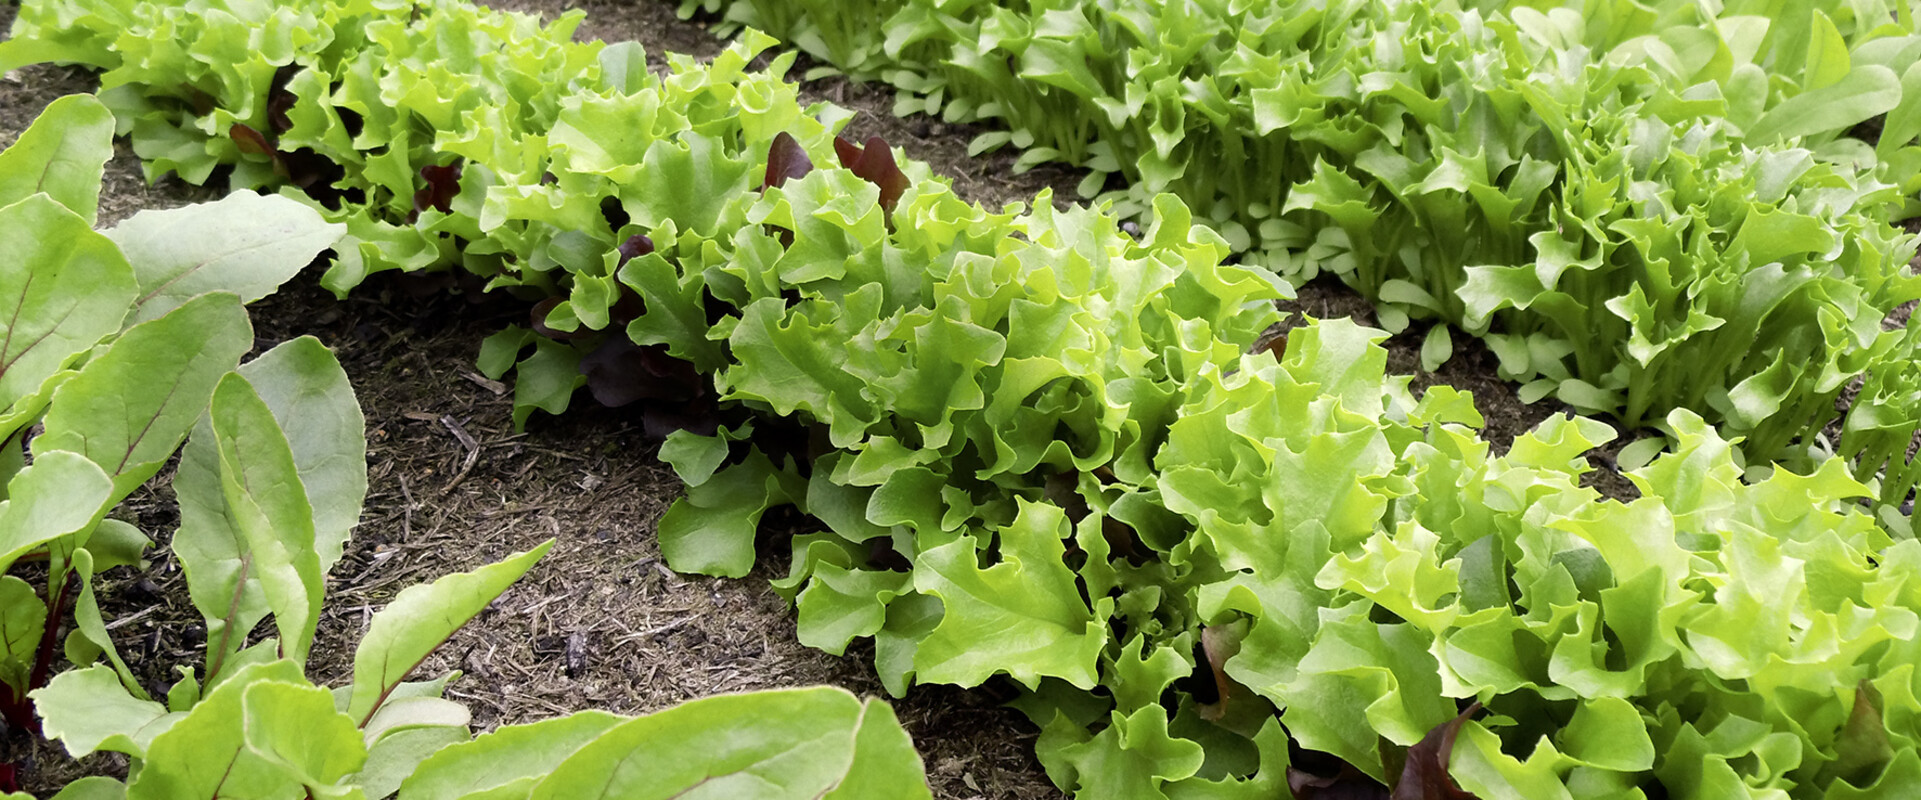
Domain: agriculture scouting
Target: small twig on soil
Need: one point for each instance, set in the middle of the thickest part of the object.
(478, 664)
(407, 511)
(483, 698)
(549, 706)
(453, 426)
(379, 560)
(658, 630)
(528, 611)
(556, 453)
(468, 444)
(466, 466)
(509, 512)
(130, 619)
(496, 387)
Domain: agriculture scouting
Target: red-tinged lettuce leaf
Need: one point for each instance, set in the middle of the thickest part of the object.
(537, 319)
(658, 420)
(1863, 749)
(1219, 644)
(875, 164)
(636, 246)
(250, 141)
(630, 305)
(1276, 347)
(1425, 776)
(785, 159)
(848, 152)
(280, 99)
(1348, 784)
(315, 175)
(442, 184)
(620, 372)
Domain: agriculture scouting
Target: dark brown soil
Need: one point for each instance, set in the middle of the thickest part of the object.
(600, 622)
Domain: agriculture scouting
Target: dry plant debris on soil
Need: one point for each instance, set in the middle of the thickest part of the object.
(601, 622)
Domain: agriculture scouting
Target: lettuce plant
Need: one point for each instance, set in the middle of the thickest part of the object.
(1190, 557)
(1640, 208)
(1316, 560)
(343, 100)
(115, 342)
(1615, 645)
(518, 163)
(1878, 435)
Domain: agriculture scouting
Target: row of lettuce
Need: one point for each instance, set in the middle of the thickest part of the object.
(1637, 207)
(119, 345)
(1039, 447)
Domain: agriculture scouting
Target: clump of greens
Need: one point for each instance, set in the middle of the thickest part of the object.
(111, 346)
(1233, 556)
(563, 173)
(1637, 208)
(121, 343)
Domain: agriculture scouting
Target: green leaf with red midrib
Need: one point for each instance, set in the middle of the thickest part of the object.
(419, 620)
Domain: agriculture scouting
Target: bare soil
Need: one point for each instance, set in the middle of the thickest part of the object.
(600, 622)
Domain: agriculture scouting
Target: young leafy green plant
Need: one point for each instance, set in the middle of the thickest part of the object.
(267, 732)
(270, 486)
(793, 743)
(257, 726)
(113, 345)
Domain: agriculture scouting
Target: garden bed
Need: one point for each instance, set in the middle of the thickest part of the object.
(601, 622)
